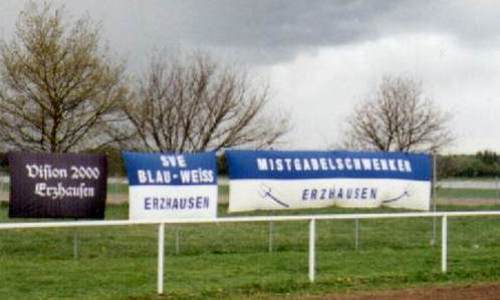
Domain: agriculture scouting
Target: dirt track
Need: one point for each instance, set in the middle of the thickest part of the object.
(471, 292)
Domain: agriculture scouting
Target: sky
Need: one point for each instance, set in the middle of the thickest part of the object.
(323, 57)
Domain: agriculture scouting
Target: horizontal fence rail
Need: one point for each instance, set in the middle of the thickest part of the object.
(311, 219)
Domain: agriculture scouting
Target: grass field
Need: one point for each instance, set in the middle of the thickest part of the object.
(232, 260)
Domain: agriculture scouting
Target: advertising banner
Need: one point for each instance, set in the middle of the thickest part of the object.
(47, 185)
(171, 186)
(272, 180)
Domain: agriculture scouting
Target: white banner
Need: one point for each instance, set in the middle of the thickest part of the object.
(159, 202)
(274, 180)
(248, 195)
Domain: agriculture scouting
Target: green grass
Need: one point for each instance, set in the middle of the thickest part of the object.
(232, 260)
(118, 188)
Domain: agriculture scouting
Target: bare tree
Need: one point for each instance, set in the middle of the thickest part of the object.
(398, 118)
(59, 91)
(192, 103)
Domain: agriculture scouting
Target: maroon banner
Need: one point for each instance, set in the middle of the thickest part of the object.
(47, 185)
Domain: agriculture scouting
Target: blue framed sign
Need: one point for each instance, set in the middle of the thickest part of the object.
(171, 186)
(310, 179)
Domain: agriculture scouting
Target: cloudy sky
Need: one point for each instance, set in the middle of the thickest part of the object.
(323, 57)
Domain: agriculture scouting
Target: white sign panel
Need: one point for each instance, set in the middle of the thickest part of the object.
(272, 180)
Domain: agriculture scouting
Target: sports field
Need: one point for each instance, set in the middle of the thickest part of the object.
(233, 260)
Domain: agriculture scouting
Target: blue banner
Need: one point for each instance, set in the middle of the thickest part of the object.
(245, 164)
(312, 179)
(171, 186)
(170, 169)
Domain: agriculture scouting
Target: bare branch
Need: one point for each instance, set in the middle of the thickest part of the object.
(398, 118)
(192, 103)
(58, 88)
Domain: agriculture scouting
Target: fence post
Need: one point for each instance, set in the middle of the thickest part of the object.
(496, 187)
(356, 234)
(434, 197)
(177, 241)
(75, 244)
(161, 255)
(444, 243)
(270, 238)
(312, 250)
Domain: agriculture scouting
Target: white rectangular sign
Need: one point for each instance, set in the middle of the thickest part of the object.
(272, 180)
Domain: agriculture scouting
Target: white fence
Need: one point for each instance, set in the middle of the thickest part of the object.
(312, 219)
